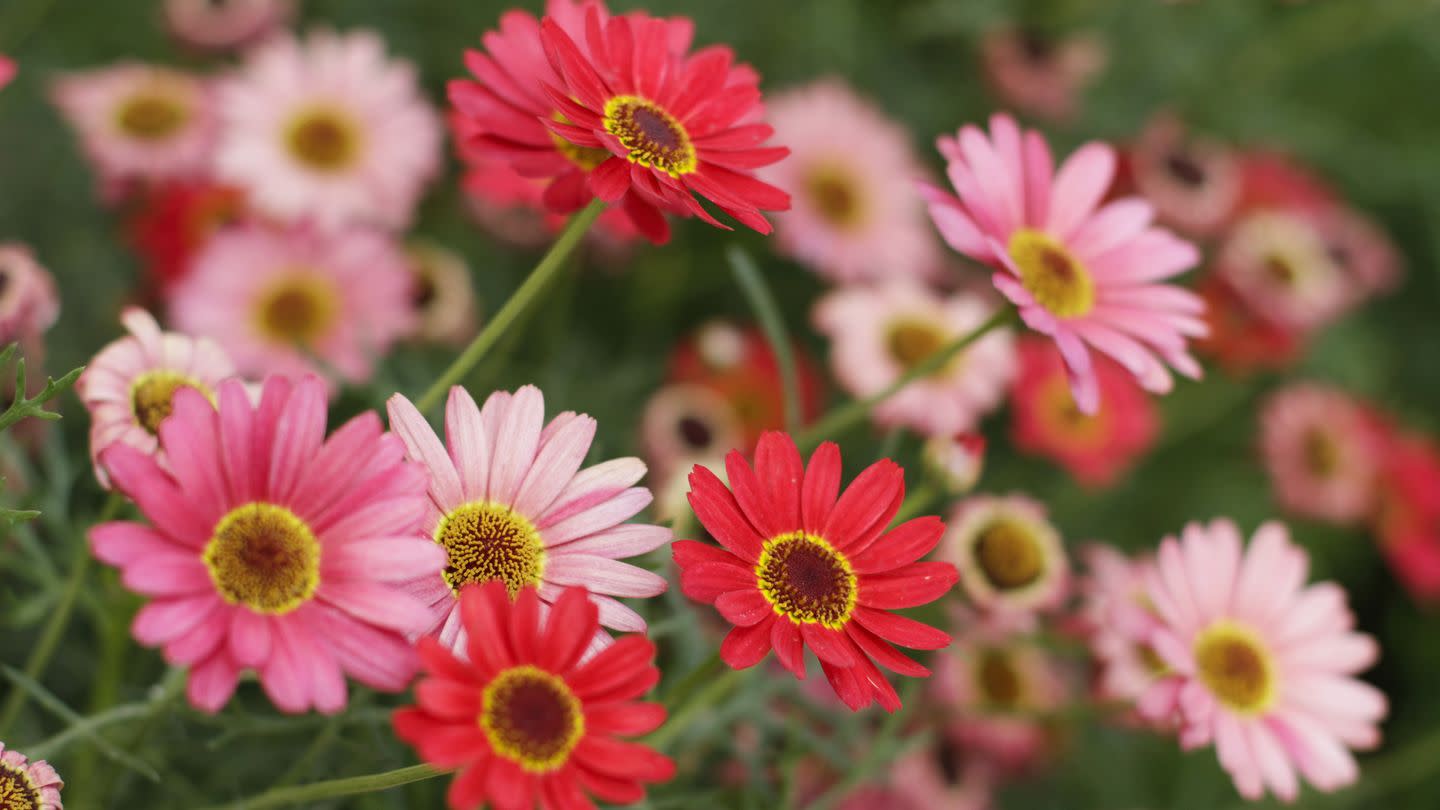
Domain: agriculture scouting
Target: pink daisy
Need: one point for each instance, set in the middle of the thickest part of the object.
(509, 501)
(1280, 264)
(1120, 620)
(8, 69)
(1194, 183)
(329, 129)
(879, 333)
(1262, 665)
(26, 785)
(130, 386)
(944, 774)
(1010, 556)
(281, 300)
(272, 548)
(1041, 75)
(1323, 452)
(444, 297)
(851, 176)
(1361, 249)
(29, 300)
(224, 25)
(1086, 275)
(684, 424)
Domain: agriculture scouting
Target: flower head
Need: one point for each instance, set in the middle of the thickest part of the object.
(224, 25)
(1010, 556)
(1241, 338)
(946, 773)
(1280, 264)
(685, 423)
(444, 296)
(1194, 183)
(799, 567)
(1120, 619)
(1407, 516)
(176, 220)
(26, 785)
(1323, 452)
(1040, 75)
(1089, 276)
(271, 547)
(29, 300)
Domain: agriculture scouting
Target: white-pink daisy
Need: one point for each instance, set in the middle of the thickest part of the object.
(1281, 266)
(222, 25)
(1323, 451)
(1087, 275)
(1193, 182)
(329, 129)
(1119, 620)
(1011, 558)
(878, 333)
(1044, 76)
(26, 785)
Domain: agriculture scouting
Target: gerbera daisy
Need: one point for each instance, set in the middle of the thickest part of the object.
(956, 460)
(675, 124)
(509, 502)
(272, 548)
(1322, 451)
(444, 297)
(528, 719)
(281, 300)
(1262, 665)
(1280, 264)
(685, 423)
(851, 177)
(176, 220)
(800, 568)
(1041, 75)
(878, 334)
(1194, 183)
(26, 785)
(130, 386)
(140, 122)
(1010, 556)
(224, 25)
(1095, 448)
(330, 130)
(29, 301)
(1084, 274)
(1119, 620)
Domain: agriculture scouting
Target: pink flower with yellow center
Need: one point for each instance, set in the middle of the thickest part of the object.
(1323, 452)
(1279, 263)
(26, 785)
(29, 300)
(1010, 556)
(1119, 618)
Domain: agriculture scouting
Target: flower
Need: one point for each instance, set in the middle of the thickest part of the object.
(8, 69)
(1361, 249)
(944, 773)
(1194, 183)
(272, 548)
(224, 25)
(878, 334)
(1262, 665)
(1119, 618)
(956, 460)
(176, 220)
(26, 785)
(525, 716)
(444, 298)
(29, 301)
(675, 124)
(1279, 263)
(275, 298)
(851, 177)
(1095, 448)
(1087, 276)
(1040, 75)
(685, 423)
(1242, 339)
(1322, 451)
(328, 129)
(140, 122)
(129, 387)
(800, 568)
(509, 502)
(1010, 557)
(1407, 517)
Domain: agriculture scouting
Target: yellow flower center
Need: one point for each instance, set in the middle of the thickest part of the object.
(998, 679)
(1321, 453)
(1235, 666)
(806, 580)
(586, 157)
(835, 196)
(17, 790)
(1065, 420)
(264, 557)
(325, 139)
(1054, 278)
(1151, 660)
(488, 541)
(298, 308)
(152, 396)
(151, 115)
(531, 718)
(653, 136)
(911, 341)
(1009, 555)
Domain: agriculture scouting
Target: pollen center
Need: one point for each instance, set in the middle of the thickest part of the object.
(653, 137)
(1321, 454)
(834, 195)
(17, 790)
(488, 541)
(911, 341)
(151, 116)
(324, 139)
(298, 308)
(531, 718)
(806, 580)
(1009, 555)
(586, 157)
(153, 394)
(1235, 667)
(1056, 279)
(998, 680)
(264, 557)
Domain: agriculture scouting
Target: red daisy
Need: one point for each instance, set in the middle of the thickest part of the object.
(527, 719)
(674, 125)
(176, 221)
(801, 568)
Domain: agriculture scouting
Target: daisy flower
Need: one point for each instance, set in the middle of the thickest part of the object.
(878, 334)
(1262, 665)
(684, 423)
(328, 129)
(1095, 448)
(799, 567)
(176, 220)
(444, 297)
(509, 502)
(1119, 618)
(1010, 556)
(946, 773)
(1088, 276)
(956, 460)
(129, 387)
(851, 177)
(1194, 183)
(29, 300)
(1280, 264)
(525, 716)
(225, 25)
(1321, 449)
(271, 548)
(1361, 249)
(140, 122)
(674, 124)
(283, 300)
(1039, 75)
(26, 785)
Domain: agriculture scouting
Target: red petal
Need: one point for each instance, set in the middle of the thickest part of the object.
(718, 512)
(743, 608)
(751, 497)
(745, 646)
(830, 646)
(866, 507)
(777, 461)
(821, 487)
(785, 638)
(916, 584)
(569, 629)
(885, 655)
(627, 719)
(902, 545)
(705, 582)
(900, 630)
(611, 179)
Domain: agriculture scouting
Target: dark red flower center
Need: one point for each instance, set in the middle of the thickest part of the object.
(652, 136)
(488, 541)
(532, 718)
(1186, 169)
(807, 580)
(17, 790)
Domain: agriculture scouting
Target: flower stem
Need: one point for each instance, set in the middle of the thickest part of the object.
(334, 788)
(767, 312)
(689, 699)
(550, 265)
(851, 414)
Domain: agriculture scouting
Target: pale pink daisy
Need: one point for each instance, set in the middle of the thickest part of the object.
(878, 333)
(444, 297)
(283, 300)
(29, 301)
(509, 501)
(1280, 265)
(26, 785)
(1262, 665)
(944, 774)
(329, 129)
(851, 175)
(130, 386)
(1044, 76)
(1323, 452)
(272, 548)
(1087, 275)
(1010, 556)
(683, 423)
(223, 25)
(1364, 251)
(1193, 182)
(1119, 619)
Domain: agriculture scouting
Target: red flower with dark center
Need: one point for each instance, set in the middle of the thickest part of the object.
(670, 125)
(802, 568)
(176, 221)
(528, 719)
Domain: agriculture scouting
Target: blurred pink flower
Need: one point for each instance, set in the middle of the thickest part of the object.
(1120, 619)
(1361, 249)
(1323, 452)
(1010, 556)
(1041, 75)
(29, 300)
(944, 774)
(27, 785)
(224, 25)
(8, 69)
(956, 460)
(1194, 183)
(444, 296)
(1279, 263)
(684, 424)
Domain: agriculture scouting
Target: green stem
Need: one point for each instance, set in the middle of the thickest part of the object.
(699, 700)
(550, 265)
(851, 414)
(881, 751)
(773, 324)
(334, 788)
